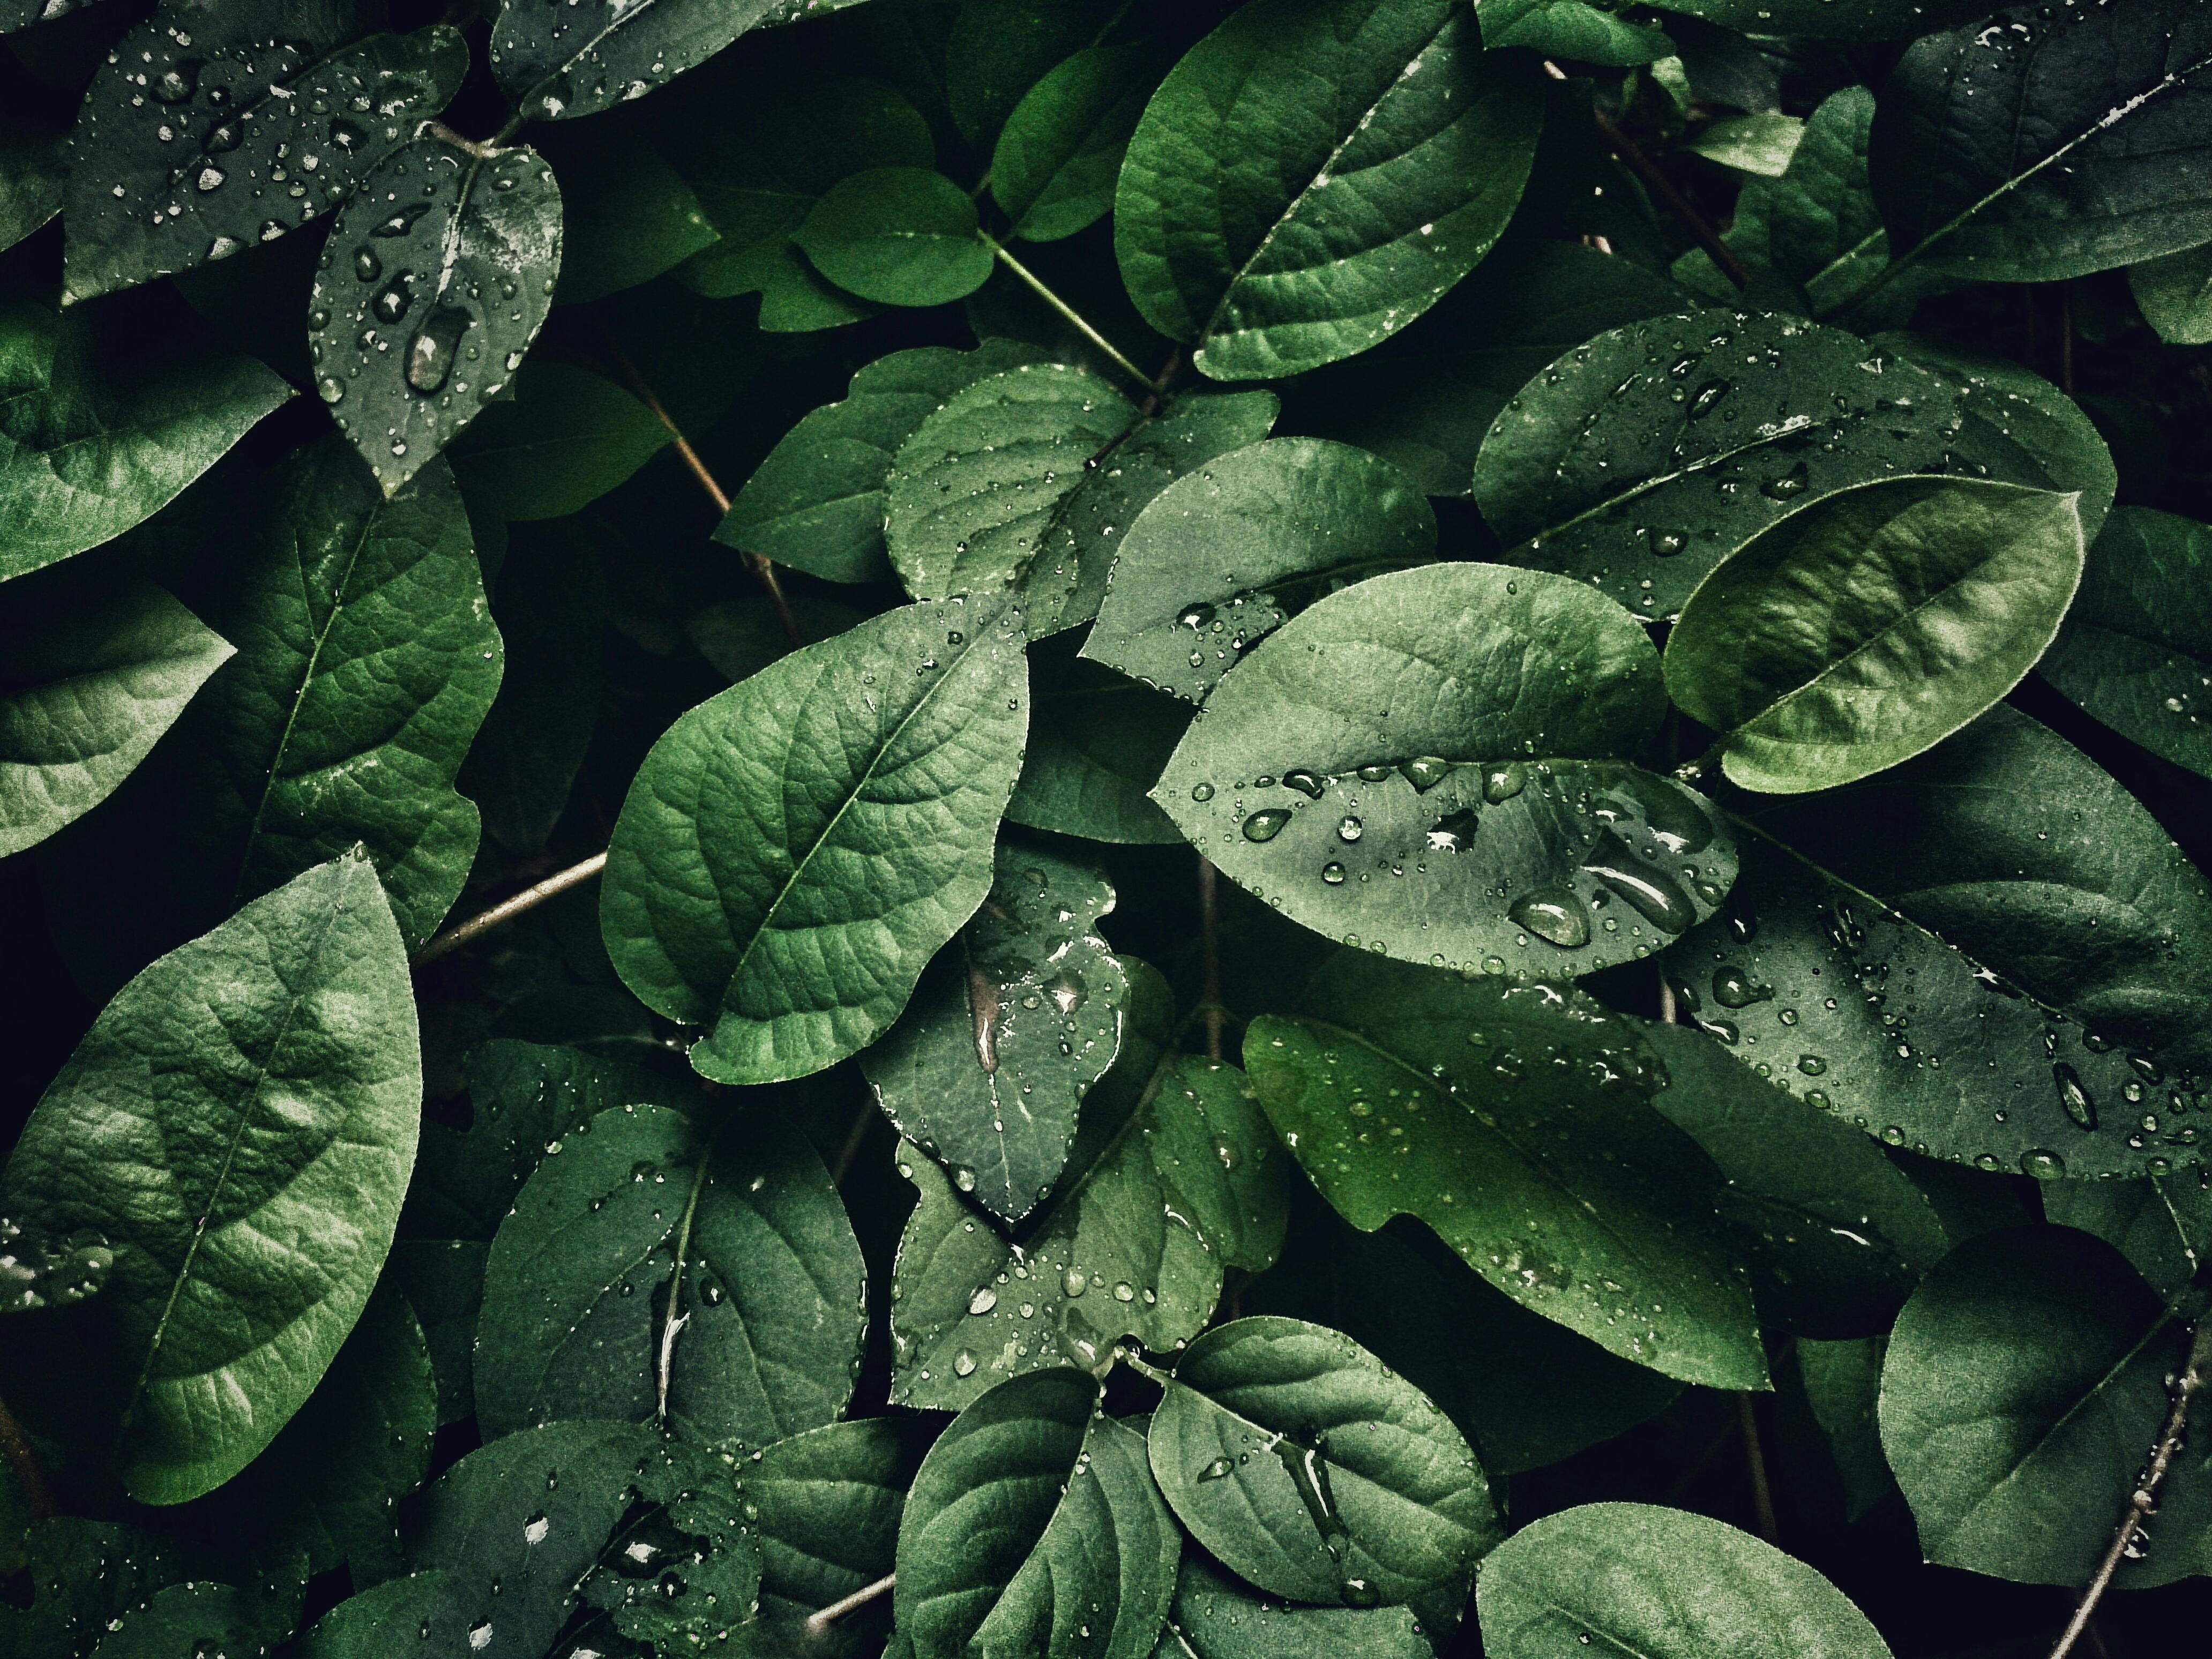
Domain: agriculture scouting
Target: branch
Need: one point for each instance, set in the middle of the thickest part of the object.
(1209, 942)
(816, 1623)
(1069, 312)
(2143, 1501)
(1762, 1496)
(507, 909)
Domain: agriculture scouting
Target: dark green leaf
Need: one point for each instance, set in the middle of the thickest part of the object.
(34, 163)
(1761, 143)
(2050, 143)
(236, 1280)
(1215, 1617)
(1476, 1106)
(1397, 767)
(2161, 1225)
(684, 1576)
(1311, 178)
(996, 50)
(829, 1502)
(1307, 1467)
(1032, 1515)
(437, 276)
(1843, 1385)
(2174, 294)
(900, 236)
(83, 1575)
(1572, 29)
(742, 636)
(1054, 168)
(443, 1282)
(1195, 584)
(850, 792)
(91, 673)
(628, 214)
(566, 438)
(202, 134)
(1010, 1025)
(661, 1268)
(1097, 741)
(1153, 1208)
(108, 421)
(1868, 627)
(1663, 1583)
(41, 1271)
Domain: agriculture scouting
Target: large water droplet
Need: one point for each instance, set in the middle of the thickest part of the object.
(1702, 401)
(1425, 772)
(1503, 782)
(393, 300)
(400, 220)
(176, 84)
(1266, 823)
(2073, 1097)
(1656, 896)
(366, 264)
(1219, 1469)
(1555, 915)
(431, 354)
(1734, 989)
(1794, 482)
(1304, 782)
(2044, 1166)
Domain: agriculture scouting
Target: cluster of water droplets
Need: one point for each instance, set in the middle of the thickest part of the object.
(40, 1272)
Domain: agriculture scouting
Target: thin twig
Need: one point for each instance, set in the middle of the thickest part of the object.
(818, 1622)
(1209, 945)
(1703, 1461)
(1072, 316)
(2144, 1499)
(854, 1139)
(507, 909)
(1648, 170)
(37, 1495)
(1762, 1497)
(2066, 344)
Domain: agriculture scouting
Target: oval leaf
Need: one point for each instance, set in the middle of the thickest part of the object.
(900, 236)
(829, 1502)
(1054, 165)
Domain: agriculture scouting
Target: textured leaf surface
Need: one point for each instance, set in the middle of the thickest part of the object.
(108, 421)
(1016, 1018)
(1098, 741)
(289, 1030)
(664, 1268)
(900, 236)
(1032, 1515)
(1472, 1106)
(2174, 294)
(2049, 145)
(43, 1271)
(1216, 561)
(2162, 1225)
(33, 166)
(247, 123)
(90, 675)
(684, 1575)
(794, 850)
(628, 214)
(1570, 28)
(829, 1503)
(437, 276)
(1057, 155)
(1661, 1582)
(1133, 1244)
(1311, 1470)
(1216, 1617)
(565, 438)
(1872, 624)
(1398, 767)
(1309, 179)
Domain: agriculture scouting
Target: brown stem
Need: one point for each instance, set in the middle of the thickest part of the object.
(507, 909)
(1762, 1497)
(37, 1495)
(1209, 945)
(818, 1622)
(2144, 1498)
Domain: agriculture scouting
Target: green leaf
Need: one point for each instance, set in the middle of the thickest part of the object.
(1033, 1515)
(236, 1280)
(1425, 397)
(443, 1282)
(1839, 1235)
(900, 236)
(566, 438)
(2137, 644)
(33, 165)
(1400, 767)
(829, 1502)
(997, 50)
(685, 1574)
(1870, 625)
(1665, 1584)
(1309, 179)
(1526, 1391)
(629, 215)
(1572, 29)
(2162, 1225)
(437, 278)
(1097, 741)
(1990, 922)
(761, 150)
(2024, 1380)
(1058, 156)
(663, 1268)
(816, 503)
(554, 63)
(1762, 143)
(83, 1575)
(1475, 1106)
(109, 423)
(1216, 1617)
(1827, 19)
(1307, 1467)
(1195, 584)
(1843, 1384)
(744, 635)
(2174, 294)
(91, 673)
(41, 1271)
(1010, 1025)
(1153, 1208)
(2051, 146)
(198, 141)
(1654, 452)
(794, 850)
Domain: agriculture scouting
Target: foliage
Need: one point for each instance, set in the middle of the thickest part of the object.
(1148, 829)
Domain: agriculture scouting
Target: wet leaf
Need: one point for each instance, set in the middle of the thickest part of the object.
(1098, 741)
(1572, 29)
(40, 1270)
(1215, 1617)
(829, 1502)
(2162, 1225)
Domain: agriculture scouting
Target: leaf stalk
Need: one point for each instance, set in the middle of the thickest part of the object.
(1072, 317)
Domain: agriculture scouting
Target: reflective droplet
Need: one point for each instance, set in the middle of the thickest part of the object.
(1556, 916)
(2073, 1097)
(1333, 873)
(2044, 1166)
(1304, 782)
(366, 264)
(1425, 772)
(431, 353)
(1502, 783)
(1266, 823)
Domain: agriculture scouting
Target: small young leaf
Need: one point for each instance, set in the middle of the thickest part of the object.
(1201, 576)
(1475, 1106)
(628, 215)
(1310, 179)
(1134, 1243)
(1665, 1584)
(998, 51)
(1842, 1388)
(437, 278)
(1034, 1513)
(1870, 626)
(291, 1027)
(1057, 157)
(1011, 1023)
(1761, 143)
(202, 135)
(91, 673)
(564, 439)
(1097, 741)
(1215, 1617)
(1307, 1467)
(900, 236)
(832, 819)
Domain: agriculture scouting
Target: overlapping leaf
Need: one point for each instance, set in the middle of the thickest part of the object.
(828, 1503)
(1098, 741)
(1215, 1617)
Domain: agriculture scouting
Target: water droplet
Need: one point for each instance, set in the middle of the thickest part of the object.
(392, 300)
(964, 1363)
(2044, 1166)
(431, 353)
(1812, 1064)
(1734, 988)
(983, 1301)
(1201, 791)
(366, 264)
(1791, 484)
(1554, 916)
(1219, 1469)
(1654, 895)
(1347, 831)
(176, 84)
(1304, 782)
(1425, 772)
(1503, 782)
(2073, 1097)
(1266, 823)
